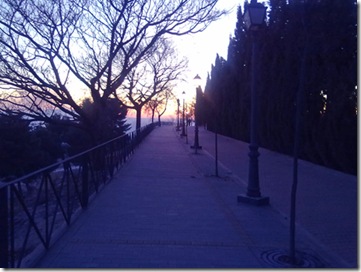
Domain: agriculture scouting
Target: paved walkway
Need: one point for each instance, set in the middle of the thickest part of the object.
(327, 200)
(166, 209)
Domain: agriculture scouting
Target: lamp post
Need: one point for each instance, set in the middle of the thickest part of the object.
(183, 121)
(196, 145)
(186, 127)
(254, 17)
(178, 129)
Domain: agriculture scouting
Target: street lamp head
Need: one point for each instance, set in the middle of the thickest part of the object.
(254, 15)
(197, 79)
(183, 96)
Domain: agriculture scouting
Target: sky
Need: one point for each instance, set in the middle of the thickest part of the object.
(201, 49)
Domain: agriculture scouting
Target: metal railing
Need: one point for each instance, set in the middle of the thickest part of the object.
(36, 209)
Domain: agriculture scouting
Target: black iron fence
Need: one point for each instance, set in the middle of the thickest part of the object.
(36, 209)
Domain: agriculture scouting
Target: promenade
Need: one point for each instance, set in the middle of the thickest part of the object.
(166, 209)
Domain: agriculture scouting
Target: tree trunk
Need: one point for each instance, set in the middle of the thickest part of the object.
(139, 117)
(153, 111)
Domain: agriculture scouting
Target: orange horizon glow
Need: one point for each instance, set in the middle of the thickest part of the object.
(167, 115)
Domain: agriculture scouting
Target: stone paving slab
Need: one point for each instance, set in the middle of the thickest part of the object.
(166, 209)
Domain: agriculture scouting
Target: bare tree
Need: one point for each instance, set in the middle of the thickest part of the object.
(159, 104)
(162, 104)
(154, 76)
(151, 106)
(50, 50)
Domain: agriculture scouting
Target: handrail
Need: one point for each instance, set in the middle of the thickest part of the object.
(37, 208)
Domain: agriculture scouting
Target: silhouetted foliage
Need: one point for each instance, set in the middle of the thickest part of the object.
(107, 120)
(23, 148)
(326, 31)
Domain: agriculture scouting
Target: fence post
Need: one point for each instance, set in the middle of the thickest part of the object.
(85, 189)
(4, 228)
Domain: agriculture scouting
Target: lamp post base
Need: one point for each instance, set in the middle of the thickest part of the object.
(196, 147)
(256, 201)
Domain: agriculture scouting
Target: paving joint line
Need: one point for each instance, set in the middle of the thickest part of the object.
(157, 242)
